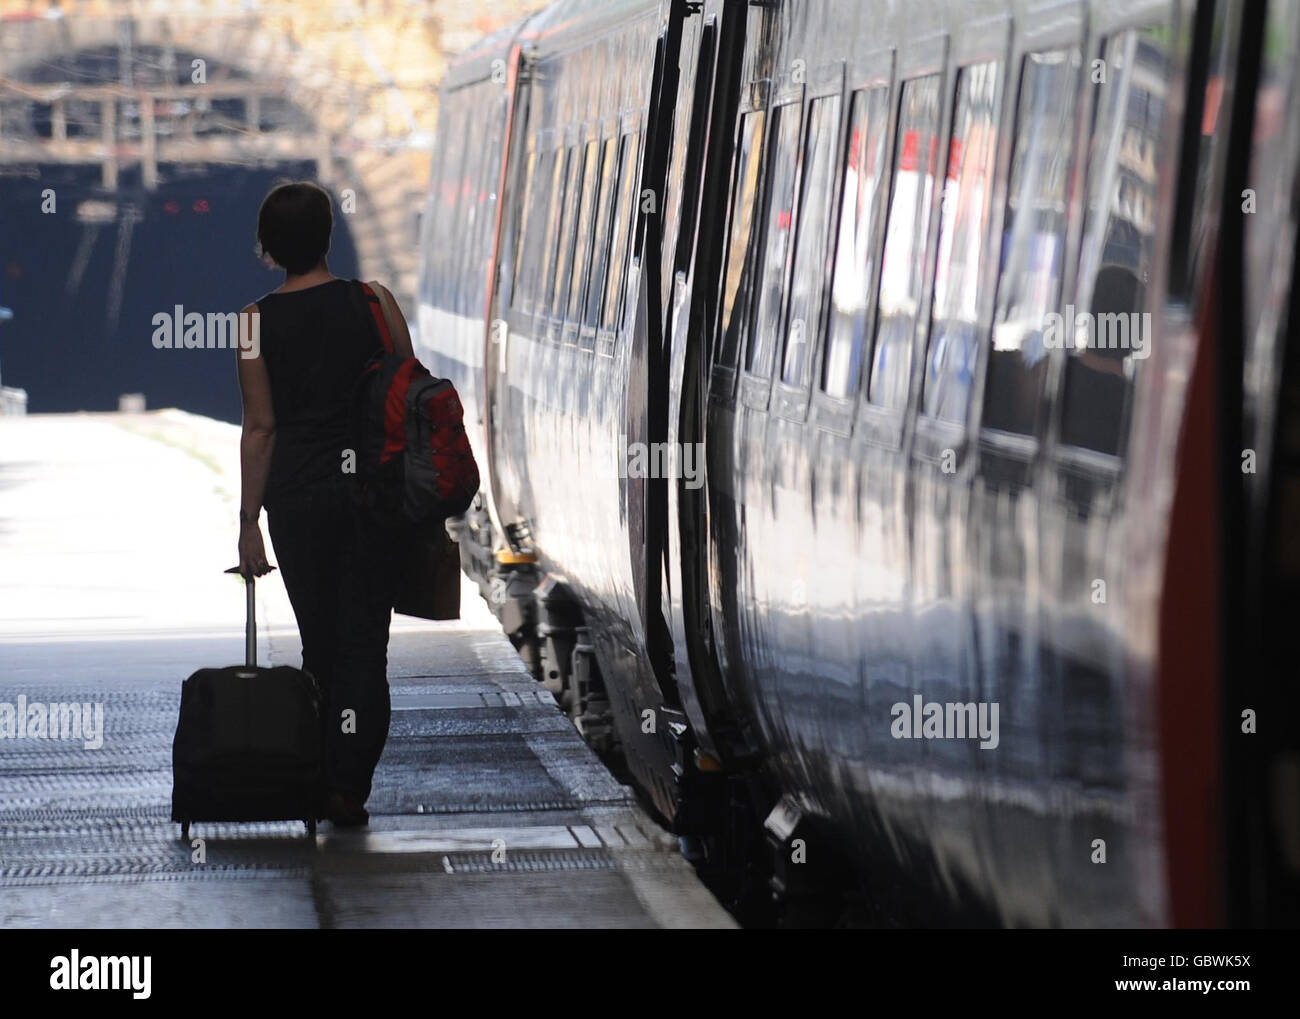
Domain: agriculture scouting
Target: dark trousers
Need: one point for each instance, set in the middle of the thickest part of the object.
(339, 572)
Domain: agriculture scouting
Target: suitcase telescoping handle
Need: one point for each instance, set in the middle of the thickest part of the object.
(250, 622)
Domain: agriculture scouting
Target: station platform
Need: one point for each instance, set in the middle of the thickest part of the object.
(488, 810)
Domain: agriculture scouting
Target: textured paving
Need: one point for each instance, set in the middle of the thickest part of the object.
(487, 810)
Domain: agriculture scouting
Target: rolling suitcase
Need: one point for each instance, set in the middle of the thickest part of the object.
(248, 744)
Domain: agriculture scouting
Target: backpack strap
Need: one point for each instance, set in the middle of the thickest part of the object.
(377, 311)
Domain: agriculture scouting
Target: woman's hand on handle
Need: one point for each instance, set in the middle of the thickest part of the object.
(252, 551)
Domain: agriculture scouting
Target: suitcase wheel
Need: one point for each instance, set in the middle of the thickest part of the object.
(185, 831)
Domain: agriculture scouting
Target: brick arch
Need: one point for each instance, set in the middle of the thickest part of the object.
(247, 57)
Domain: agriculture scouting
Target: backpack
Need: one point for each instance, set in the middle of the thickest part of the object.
(414, 462)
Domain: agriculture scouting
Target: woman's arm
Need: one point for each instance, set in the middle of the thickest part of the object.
(255, 445)
(396, 321)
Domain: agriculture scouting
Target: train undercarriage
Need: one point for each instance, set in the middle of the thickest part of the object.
(767, 860)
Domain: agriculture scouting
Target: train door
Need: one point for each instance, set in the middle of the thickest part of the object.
(683, 82)
(692, 265)
(503, 239)
(527, 177)
(729, 326)
(759, 549)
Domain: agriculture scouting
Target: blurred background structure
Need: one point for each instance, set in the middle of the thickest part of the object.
(137, 138)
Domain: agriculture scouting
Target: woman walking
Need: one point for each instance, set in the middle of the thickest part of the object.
(295, 457)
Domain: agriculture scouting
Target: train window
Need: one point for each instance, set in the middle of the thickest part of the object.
(539, 209)
(489, 182)
(778, 219)
(963, 237)
(600, 240)
(851, 285)
(582, 246)
(478, 234)
(677, 148)
(428, 212)
(455, 210)
(703, 90)
(1029, 284)
(736, 271)
(448, 204)
(466, 222)
(438, 206)
(523, 236)
(467, 226)
(627, 171)
(551, 239)
(1118, 242)
(568, 231)
(430, 225)
(905, 240)
(807, 287)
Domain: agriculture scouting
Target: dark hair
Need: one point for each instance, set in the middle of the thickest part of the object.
(294, 224)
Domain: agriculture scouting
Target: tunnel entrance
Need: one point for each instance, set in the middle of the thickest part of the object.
(132, 175)
(85, 281)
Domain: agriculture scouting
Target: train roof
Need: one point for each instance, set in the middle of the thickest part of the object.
(552, 29)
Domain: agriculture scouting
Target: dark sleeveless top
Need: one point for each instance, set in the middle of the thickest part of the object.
(315, 343)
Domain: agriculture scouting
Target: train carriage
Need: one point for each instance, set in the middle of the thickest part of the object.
(970, 312)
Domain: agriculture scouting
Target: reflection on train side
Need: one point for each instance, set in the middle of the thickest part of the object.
(1118, 250)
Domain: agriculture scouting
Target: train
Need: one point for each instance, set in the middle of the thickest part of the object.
(889, 424)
